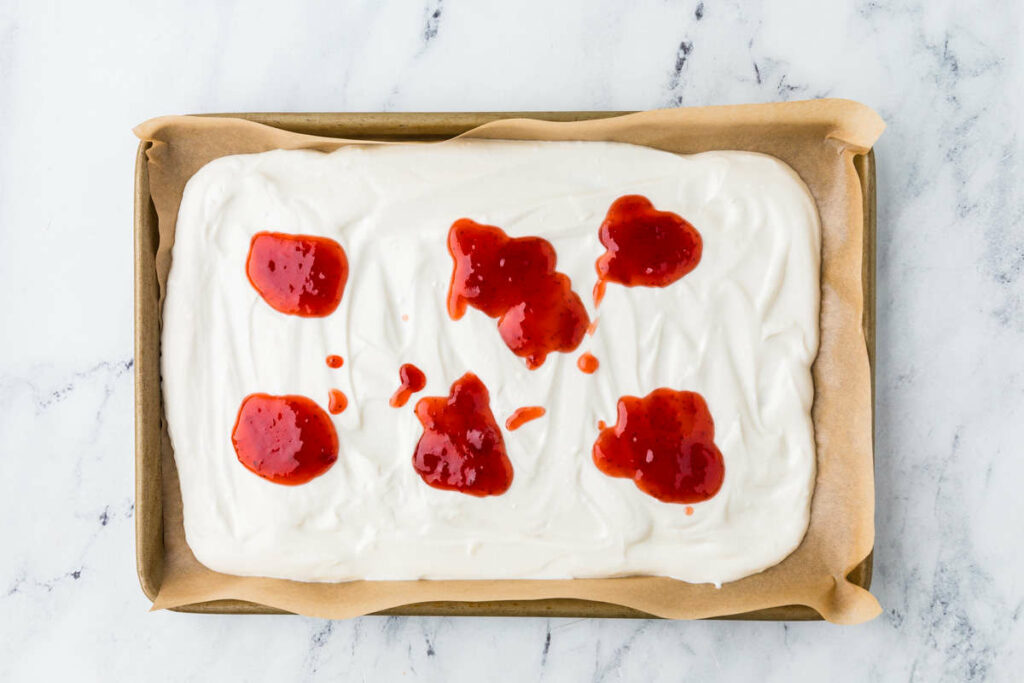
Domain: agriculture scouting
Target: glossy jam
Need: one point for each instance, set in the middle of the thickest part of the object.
(297, 274)
(335, 361)
(665, 443)
(412, 380)
(515, 281)
(588, 363)
(645, 247)
(461, 448)
(521, 416)
(337, 401)
(284, 439)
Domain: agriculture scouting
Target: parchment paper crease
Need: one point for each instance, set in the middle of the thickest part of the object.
(819, 140)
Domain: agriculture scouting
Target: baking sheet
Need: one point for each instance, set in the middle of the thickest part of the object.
(820, 139)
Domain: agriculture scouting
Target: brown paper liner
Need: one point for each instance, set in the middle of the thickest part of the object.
(819, 140)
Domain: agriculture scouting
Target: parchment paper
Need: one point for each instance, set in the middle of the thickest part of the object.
(818, 139)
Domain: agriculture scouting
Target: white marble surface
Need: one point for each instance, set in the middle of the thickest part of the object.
(946, 75)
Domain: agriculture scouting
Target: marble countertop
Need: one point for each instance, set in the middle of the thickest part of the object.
(74, 78)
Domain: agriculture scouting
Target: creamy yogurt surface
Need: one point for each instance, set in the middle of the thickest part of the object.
(741, 329)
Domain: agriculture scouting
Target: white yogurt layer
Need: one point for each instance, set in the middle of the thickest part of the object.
(741, 329)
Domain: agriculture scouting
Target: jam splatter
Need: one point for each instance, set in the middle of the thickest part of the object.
(588, 363)
(284, 439)
(412, 379)
(521, 416)
(664, 442)
(335, 361)
(645, 247)
(337, 401)
(297, 274)
(515, 281)
(461, 448)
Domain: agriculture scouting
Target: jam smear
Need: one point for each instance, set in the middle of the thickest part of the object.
(337, 401)
(297, 274)
(521, 416)
(461, 448)
(645, 247)
(284, 439)
(515, 281)
(588, 363)
(412, 379)
(335, 361)
(664, 442)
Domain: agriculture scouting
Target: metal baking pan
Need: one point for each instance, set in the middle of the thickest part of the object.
(149, 521)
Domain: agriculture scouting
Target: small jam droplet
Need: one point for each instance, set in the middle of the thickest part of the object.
(338, 401)
(645, 247)
(515, 281)
(521, 416)
(689, 510)
(297, 274)
(587, 363)
(284, 439)
(665, 443)
(461, 448)
(335, 361)
(592, 327)
(405, 317)
(601, 424)
(412, 379)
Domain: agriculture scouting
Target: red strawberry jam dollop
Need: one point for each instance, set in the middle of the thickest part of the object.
(337, 401)
(284, 439)
(297, 274)
(521, 416)
(665, 443)
(645, 247)
(411, 380)
(515, 281)
(461, 448)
